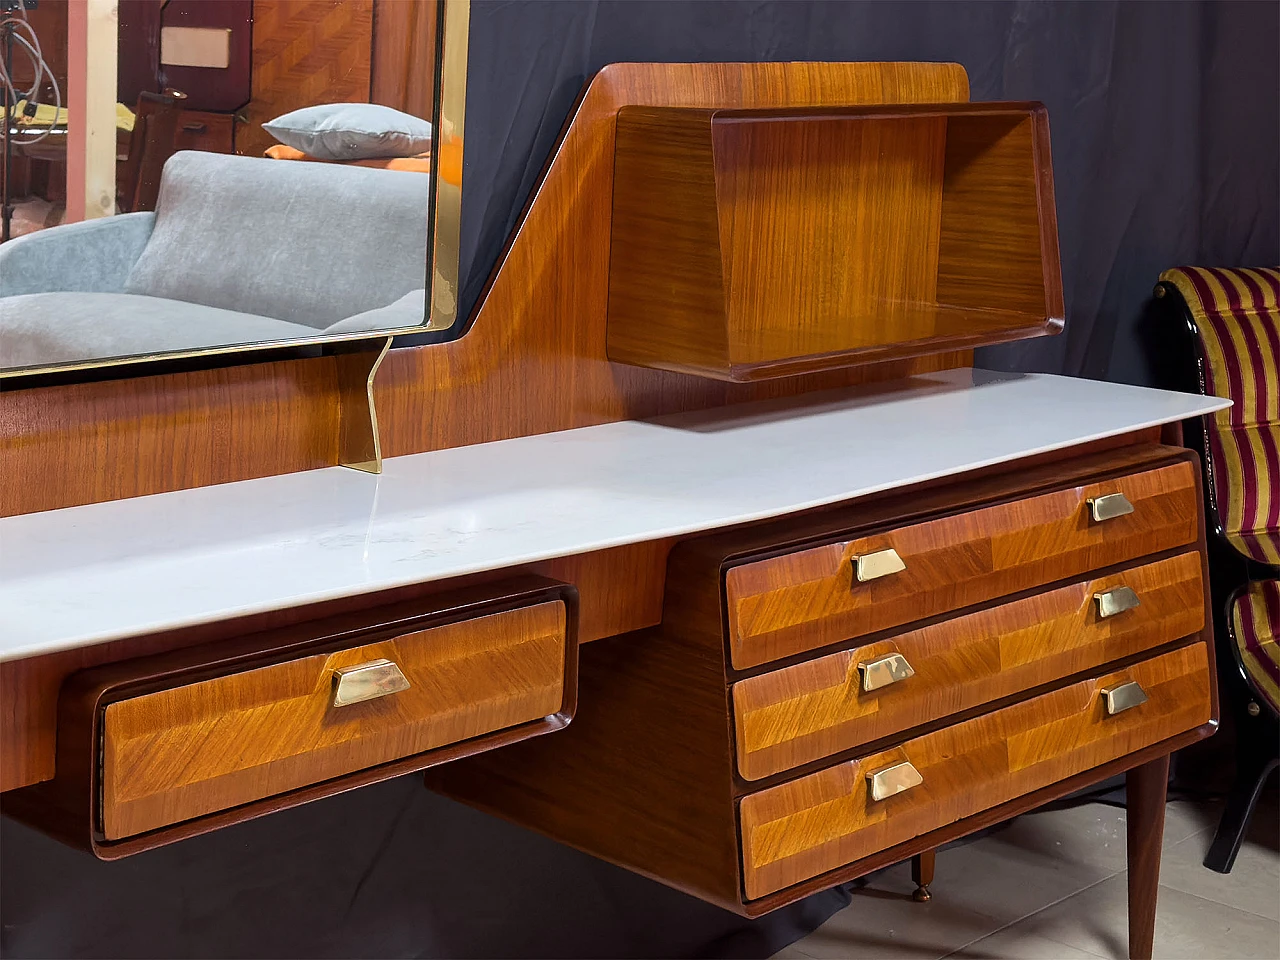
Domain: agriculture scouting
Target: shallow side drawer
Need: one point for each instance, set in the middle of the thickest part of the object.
(191, 750)
(785, 605)
(817, 823)
(814, 709)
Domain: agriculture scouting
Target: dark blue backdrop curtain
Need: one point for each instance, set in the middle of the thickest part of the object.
(1164, 120)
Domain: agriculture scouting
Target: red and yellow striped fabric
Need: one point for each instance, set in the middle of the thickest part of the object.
(1255, 621)
(1237, 313)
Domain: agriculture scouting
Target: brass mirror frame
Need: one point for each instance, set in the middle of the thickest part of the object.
(444, 218)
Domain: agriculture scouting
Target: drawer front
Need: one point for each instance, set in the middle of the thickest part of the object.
(195, 749)
(817, 823)
(209, 132)
(801, 601)
(814, 709)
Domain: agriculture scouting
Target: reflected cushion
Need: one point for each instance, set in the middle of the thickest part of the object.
(351, 131)
(47, 328)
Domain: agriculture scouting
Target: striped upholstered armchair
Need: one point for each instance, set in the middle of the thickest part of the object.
(1233, 318)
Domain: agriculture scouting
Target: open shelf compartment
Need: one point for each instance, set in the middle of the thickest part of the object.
(749, 244)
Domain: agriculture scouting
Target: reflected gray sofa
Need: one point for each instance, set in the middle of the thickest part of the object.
(239, 250)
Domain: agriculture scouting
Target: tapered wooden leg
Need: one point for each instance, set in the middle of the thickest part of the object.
(922, 875)
(1145, 788)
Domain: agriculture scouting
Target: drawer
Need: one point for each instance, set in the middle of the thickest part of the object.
(814, 709)
(210, 132)
(186, 751)
(804, 828)
(785, 605)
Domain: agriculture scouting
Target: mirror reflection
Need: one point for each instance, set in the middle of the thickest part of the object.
(262, 175)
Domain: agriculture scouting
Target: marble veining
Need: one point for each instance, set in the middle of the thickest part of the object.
(100, 572)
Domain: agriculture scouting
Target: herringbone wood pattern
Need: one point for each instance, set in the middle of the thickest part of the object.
(305, 52)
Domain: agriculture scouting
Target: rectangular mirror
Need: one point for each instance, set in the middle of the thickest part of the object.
(269, 174)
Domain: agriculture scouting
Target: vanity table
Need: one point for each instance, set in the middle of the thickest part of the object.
(737, 599)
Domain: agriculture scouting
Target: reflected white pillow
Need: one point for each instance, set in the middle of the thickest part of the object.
(351, 131)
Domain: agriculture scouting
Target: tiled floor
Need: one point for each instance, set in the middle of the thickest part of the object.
(1052, 885)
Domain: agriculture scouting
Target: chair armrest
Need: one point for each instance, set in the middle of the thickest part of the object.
(94, 256)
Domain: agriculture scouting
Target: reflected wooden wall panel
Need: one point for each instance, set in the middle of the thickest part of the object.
(305, 52)
(534, 360)
(403, 67)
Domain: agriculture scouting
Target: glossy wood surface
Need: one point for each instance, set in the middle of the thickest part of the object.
(804, 600)
(806, 827)
(68, 805)
(644, 776)
(922, 867)
(998, 237)
(620, 590)
(191, 750)
(756, 244)
(1146, 789)
(532, 361)
(612, 784)
(817, 708)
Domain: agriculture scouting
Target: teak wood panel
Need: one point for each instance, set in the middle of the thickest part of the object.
(750, 244)
(191, 750)
(619, 589)
(806, 827)
(809, 599)
(644, 778)
(615, 785)
(817, 708)
(826, 226)
(68, 806)
(532, 361)
(998, 245)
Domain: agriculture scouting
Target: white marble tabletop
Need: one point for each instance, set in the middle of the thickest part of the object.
(89, 574)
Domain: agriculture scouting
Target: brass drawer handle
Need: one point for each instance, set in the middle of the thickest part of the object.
(1109, 507)
(883, 671)
(872, 566)
(1116, 600)
(367, 681)
(888, 781)
(1123, 697)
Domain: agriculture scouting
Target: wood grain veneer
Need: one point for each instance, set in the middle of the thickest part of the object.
(646, 776)
(231, 730)
(806, 827)
(533, 359)
(1145, 796)
(404, 59)
(190, 750)
(305, 52)
(750, 244)
(815, 709)
(809, 599)
(620, 590)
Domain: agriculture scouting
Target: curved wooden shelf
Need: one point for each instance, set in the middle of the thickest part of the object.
(751, 244)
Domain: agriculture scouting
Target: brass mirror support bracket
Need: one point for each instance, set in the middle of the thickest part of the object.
(358, 445)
